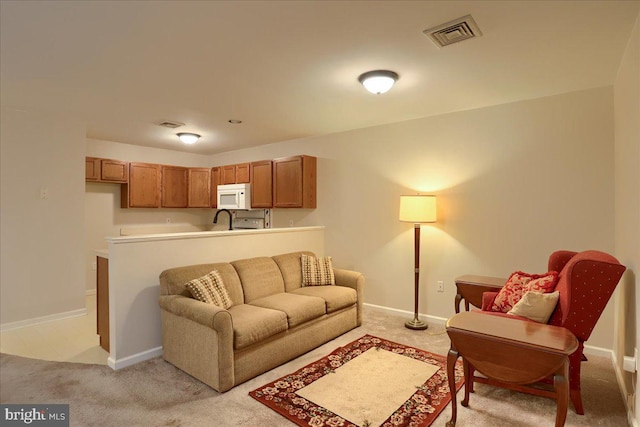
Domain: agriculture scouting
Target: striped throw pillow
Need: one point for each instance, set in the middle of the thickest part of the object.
(210, 289)
(317, 271)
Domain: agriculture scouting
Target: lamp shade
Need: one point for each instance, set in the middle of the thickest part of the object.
(418, 208)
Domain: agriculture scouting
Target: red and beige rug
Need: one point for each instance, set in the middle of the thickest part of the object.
(369, 382)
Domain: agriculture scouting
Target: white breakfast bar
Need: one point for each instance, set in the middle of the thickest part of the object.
(136, 261)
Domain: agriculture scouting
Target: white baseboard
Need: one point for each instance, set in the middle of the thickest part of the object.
(44, 319)
(133, 359)
(598, 351)
(409, 314)
(90, 292)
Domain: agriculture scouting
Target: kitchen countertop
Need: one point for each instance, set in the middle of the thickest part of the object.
(102, 253)
(203, 234)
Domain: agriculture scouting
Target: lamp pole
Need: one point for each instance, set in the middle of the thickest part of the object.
(417, 209)
(416, 323)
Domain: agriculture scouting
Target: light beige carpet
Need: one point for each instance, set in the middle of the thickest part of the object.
(154, 393)
(370, 387)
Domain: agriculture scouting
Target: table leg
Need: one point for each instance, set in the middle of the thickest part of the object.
(457, 303)
(452, 357)
(468, 381)
(561, 386)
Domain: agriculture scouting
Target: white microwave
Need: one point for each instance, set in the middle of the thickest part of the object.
(234, 196)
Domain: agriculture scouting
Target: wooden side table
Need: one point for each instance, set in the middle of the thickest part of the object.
(510, 352)
(470, 288)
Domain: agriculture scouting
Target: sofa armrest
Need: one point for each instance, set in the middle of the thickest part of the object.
(208, 315)
(354, 280)
(348, 278)
(487, 300)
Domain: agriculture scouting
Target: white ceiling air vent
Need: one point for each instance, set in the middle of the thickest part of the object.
(453, 31)
(170, 124)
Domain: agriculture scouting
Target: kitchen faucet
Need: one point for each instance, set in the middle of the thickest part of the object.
(215, 218)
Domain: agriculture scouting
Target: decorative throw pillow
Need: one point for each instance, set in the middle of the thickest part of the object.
(520, 283)
(536, 306)
(210, 289)
(317, 271)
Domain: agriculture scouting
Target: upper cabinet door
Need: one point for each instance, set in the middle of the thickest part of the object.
(114, 171)
(243, 174)
(228, 174)
(175, 187)
(294, 182)
(92, 169)
(143, 189)
(199, 187)
(261, 184)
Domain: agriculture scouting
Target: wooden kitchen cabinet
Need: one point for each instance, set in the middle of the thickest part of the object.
(294, 182)
(215, 181)
(113, 171)
(243, 174)
(235, 174)
(261, 184)
(199, 188)
(92, 169)
(175, 187)
(228, 174)
(105, 170)
(143, 188)
(102, 301)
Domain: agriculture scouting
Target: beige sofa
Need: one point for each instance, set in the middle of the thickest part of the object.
(273, 318)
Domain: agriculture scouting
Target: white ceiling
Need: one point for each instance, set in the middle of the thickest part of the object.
(289, 69)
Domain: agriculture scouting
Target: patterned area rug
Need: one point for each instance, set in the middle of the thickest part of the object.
(360, 384)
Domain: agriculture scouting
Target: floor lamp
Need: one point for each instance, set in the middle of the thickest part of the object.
(417, 209)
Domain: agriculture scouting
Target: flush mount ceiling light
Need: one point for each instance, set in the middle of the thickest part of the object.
(188, 138)
(378, 81)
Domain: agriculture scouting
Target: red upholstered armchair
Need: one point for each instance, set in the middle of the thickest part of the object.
(585, 284)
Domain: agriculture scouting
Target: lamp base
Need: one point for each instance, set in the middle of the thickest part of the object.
(416, 324)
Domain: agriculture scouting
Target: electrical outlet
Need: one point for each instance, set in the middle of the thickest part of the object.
(44, 193)
(168, 220)
(94, 265)
(440, 286)
(290, 223)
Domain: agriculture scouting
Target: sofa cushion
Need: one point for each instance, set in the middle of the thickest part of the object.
(335, 297)
(173, 280)
(252, 324)
(290, 267)
(210, 289)
(260, 277)
(299, 308)
(317, 271)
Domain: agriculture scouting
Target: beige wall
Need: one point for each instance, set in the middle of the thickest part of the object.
(42, 240)
(103, 215)
(514, 183)
(627, 210)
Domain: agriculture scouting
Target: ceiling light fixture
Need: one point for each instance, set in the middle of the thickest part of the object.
(188, 138)
(378, 81)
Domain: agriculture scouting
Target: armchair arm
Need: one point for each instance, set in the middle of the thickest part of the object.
(487, 300)
(208, 315)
